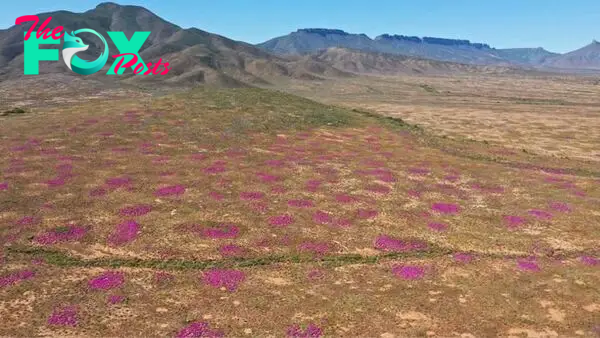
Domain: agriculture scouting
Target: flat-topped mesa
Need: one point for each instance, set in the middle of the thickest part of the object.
(453, 42)
(399, 37)
(432, 40)
(322, 31)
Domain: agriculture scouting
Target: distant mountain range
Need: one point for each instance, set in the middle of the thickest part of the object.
(311, 40)
(195, 56)
(199, 57)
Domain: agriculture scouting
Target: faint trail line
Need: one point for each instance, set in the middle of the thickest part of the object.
(63, 259)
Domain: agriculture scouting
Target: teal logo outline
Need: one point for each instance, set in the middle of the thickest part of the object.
(73, 45)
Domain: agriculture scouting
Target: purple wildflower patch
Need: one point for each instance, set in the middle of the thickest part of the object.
(162, 277)
(343, 198)
(366, 213)
(124, 233)
(215, 169)
(3, 186)
(229, 279)
(56, 182)
(408, 272)
(452, 178)
(301, 203)
(275, 163)
(231, 250)
(29, 221)
(16, 277)
(311, 331)
(559, 206)
(379, 188)
(135, 210)
(445, 208)
(66, 316)
(439, 227)
(278, 189)
(97, 192)
(216, 196)
(463, 257)
(342, 223)
(322, 217)
(313, 185)
(315, 274)
(62, 234)
(251, 195)
(281, 220)
(414, 193)
(528, 265)
(419, 171)
(589, 260)
(513, 222)
(198, 156)
(118, 182)
(317, 248)
(197, 330)
(267, 178)
(387, 243)
(172, 190)
(107, 281)
(115, 299)
(221, 231)
(540, 214)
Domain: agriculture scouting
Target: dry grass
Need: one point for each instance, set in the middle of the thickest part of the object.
(552, 116)
(359, 190)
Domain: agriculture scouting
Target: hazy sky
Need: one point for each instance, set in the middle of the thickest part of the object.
(557, 25)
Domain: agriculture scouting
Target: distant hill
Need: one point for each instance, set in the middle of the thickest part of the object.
(199, 57)
(312, 40)
(587, 57)
(195, 56)
(526, 56)
(362, 62)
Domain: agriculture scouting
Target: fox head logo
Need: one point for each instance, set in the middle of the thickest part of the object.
(73, 45)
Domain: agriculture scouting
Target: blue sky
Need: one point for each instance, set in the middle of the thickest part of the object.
(557, 25)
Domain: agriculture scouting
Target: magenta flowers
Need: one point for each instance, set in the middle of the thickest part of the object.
(560, 206)
(281, 220)
(343, 198)
(366, 213)
(135, 210)
(225, 230)
(301, 203)
(513, 222)
(229, 279)
(118, 182)
(3, 186)
(540, 214)
(16, 277)
(387, 243)
(463, 257)
(311, 331)
(589, 260)
(439, 227)
(173, 190)
(528, 265)
(66, 316)
(445, 208)
(62, 234)
(251, 195)
(322, 217)
(124, 233)
(197, 330)
(107, 281)
(408, 272)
